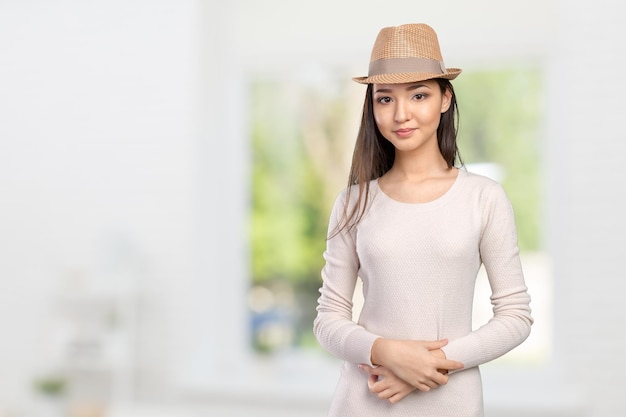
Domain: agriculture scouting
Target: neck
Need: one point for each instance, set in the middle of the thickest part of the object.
(410, 166)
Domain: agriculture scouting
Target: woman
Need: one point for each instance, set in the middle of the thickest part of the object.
(415, 229)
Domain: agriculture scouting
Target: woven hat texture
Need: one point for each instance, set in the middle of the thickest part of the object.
(406, 53)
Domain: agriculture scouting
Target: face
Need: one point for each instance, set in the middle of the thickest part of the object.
(408, 114)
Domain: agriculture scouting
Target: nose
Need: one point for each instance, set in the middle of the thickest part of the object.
(402, 111)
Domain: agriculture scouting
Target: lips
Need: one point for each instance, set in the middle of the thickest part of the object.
(403, 133)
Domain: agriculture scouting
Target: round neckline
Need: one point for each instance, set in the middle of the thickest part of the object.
(446, 195)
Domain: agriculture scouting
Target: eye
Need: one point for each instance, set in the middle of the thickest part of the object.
(419, 96)
(383, 100)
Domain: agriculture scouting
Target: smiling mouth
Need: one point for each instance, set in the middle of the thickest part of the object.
(403, 132)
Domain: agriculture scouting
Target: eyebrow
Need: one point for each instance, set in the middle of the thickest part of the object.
(409, 88)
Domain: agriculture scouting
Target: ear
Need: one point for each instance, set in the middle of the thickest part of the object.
(446, 100)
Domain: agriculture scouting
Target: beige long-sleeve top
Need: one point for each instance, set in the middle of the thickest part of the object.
(418, 264)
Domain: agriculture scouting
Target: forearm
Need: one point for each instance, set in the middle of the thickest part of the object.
(496, 338)
(343, 338)
(377, 351)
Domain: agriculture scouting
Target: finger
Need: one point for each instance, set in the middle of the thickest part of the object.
(431, 382)
(366, 368)
(378, 371)
(371, 382)
(422, 387)
(378, 386)
(440, 378)
(435, 344)
(435, 378)
(370, 370)
(397, 397)
(386, 394)
(449, 364)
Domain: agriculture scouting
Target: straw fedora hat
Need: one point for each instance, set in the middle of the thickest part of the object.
(406, 53)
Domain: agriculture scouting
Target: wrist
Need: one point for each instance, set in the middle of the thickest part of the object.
(376, 352)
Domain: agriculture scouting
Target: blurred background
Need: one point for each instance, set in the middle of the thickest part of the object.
(167, 169)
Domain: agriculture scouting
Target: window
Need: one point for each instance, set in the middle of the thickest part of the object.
(302, 137)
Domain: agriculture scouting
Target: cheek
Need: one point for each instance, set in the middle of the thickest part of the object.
(431, 114)
(378, 118)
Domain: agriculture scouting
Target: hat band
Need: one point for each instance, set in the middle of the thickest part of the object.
(403, 65)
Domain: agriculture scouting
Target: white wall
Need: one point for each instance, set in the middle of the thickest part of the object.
(97, 147)
(585, 216)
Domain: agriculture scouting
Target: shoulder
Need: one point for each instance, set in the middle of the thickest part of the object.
(350, 195)
(482, 184)
(477, 180)
(489, 195)
(486, 193)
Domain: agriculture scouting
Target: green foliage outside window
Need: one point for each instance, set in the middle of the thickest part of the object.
(288, 213)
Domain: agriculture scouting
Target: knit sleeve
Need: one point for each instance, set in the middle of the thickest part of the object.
(333, 327)
(499, 252)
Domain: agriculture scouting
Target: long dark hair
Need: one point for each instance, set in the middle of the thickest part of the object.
(374, 155)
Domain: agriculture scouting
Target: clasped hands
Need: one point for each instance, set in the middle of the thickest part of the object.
(407, 365)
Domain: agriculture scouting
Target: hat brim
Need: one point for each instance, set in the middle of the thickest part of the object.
(407, 77)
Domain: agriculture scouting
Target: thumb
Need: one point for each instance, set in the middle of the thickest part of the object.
(371, 381)
(435, 344)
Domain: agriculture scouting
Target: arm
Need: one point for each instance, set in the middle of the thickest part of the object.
(511, 321)
(343, 338)
(333, 326)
